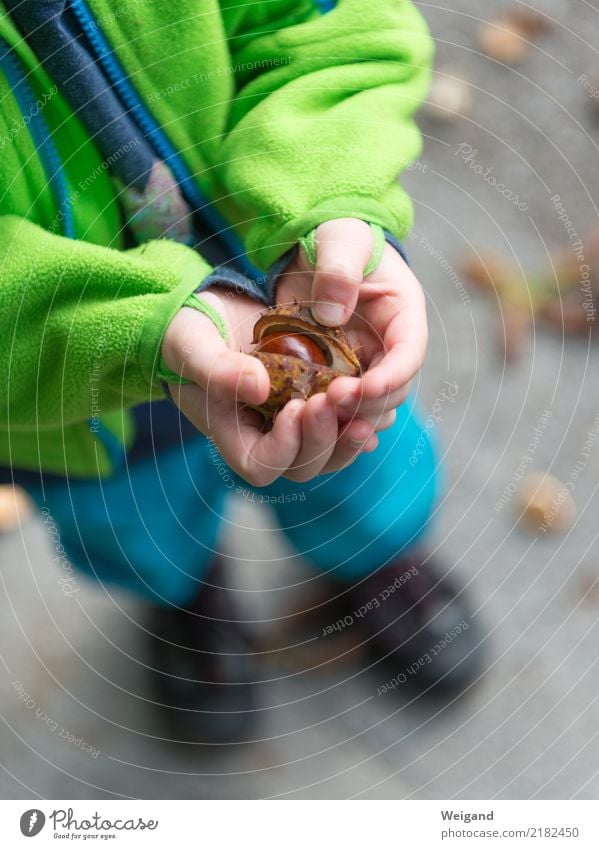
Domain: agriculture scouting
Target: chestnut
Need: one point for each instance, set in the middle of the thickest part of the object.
(301, 356)
(293, 345)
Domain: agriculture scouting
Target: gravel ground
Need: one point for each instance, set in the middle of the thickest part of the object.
(530, 727)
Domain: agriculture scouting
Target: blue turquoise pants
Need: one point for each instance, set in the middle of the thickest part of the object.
(153, 527)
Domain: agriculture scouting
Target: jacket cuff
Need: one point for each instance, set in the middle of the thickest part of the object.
(260, 289)
(162, 313)
(271, 277)
(227, 278)
(288, 234)
(395, 243)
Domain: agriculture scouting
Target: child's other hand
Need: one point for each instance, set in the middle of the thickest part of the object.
(385, 315)
(306, 439)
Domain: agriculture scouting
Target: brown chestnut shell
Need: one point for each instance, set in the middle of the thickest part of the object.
(292, 377)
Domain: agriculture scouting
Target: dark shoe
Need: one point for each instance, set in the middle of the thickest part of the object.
(419, 623)
(202, 670)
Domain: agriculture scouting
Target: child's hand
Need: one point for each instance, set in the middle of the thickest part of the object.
(306, 439)
(385, 315)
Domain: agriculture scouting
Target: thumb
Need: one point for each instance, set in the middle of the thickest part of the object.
(195, 349)
(343, 249)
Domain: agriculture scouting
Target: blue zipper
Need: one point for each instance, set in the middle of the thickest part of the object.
(40, 135)
(157, 137)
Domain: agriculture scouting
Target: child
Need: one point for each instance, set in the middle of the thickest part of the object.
(161, 165)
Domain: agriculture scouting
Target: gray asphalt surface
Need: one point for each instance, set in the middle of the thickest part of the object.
(530, 728)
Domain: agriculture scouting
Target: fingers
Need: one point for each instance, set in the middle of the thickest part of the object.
(302, 444)
(260, 458)
(401, 315)
(396, 312)
(304, 440)
(232, 375)
(395, 371)
(201, 355)
(381, 421)
(355, 439)
(350, 402)
(343, 249)
(319, 437)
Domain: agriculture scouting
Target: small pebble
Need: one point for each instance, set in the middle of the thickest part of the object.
(507, 37)
(502, 42)
(449, 99)
(545, 504)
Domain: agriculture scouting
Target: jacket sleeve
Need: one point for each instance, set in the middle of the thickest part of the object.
(75, 314)
(321, 124)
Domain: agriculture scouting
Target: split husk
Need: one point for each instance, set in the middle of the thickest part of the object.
(290, 376)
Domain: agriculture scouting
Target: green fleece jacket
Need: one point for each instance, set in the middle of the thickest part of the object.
(283, 117)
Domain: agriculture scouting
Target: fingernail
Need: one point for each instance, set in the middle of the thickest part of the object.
(359, 442)
(369, 449)
(330, 314)
(294, 408)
